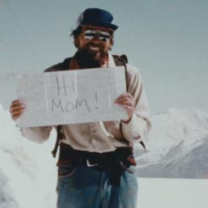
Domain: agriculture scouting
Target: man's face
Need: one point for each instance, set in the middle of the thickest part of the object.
(94, 42)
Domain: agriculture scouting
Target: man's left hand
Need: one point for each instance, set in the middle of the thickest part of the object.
(126, 100)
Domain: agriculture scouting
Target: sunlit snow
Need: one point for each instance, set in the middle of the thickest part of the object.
(176, 147)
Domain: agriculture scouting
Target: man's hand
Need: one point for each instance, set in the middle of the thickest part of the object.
(17, 107)
(126, 100)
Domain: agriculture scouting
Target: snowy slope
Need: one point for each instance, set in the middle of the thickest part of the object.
(23, 173)
(172, 193)
(177, 146)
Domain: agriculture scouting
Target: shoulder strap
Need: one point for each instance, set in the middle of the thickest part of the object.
(58, 138)
(121, 61)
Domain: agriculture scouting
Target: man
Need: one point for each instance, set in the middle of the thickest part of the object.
(95, 159)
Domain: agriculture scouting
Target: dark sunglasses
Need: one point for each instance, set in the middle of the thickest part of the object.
(103, 35)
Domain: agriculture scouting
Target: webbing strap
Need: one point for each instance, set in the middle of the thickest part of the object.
(58, 138)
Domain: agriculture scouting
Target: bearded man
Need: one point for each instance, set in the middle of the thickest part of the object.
(95, 165)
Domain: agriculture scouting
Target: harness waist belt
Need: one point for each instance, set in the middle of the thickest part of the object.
(117, 161)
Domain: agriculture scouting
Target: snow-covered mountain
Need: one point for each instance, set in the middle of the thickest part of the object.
(177, 146)
(26, 169)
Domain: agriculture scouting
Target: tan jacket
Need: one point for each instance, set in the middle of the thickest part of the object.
(104, 136)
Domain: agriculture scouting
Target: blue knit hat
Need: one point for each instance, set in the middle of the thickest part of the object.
(96, 17)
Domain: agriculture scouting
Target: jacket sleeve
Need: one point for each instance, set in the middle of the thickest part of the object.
(139, 125)
(36, 134)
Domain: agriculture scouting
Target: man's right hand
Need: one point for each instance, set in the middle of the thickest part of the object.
(17, 107)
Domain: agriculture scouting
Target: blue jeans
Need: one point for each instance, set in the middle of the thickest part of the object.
(86, 187)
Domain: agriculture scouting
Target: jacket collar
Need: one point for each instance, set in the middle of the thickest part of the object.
(111, 62)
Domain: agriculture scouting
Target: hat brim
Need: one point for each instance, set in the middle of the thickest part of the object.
(101, 24)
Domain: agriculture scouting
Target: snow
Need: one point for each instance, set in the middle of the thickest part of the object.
(172, 193)
(176, 148)
(26, 170)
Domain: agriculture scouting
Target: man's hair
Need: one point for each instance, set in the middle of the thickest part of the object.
(76, 32)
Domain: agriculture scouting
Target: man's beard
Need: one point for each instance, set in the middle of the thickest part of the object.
(91, 59)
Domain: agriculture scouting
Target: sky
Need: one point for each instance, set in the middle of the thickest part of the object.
(167, 40)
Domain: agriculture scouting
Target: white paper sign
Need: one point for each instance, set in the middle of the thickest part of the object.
(70, 97)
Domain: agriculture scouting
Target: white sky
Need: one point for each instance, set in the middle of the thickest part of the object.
(167, 40)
